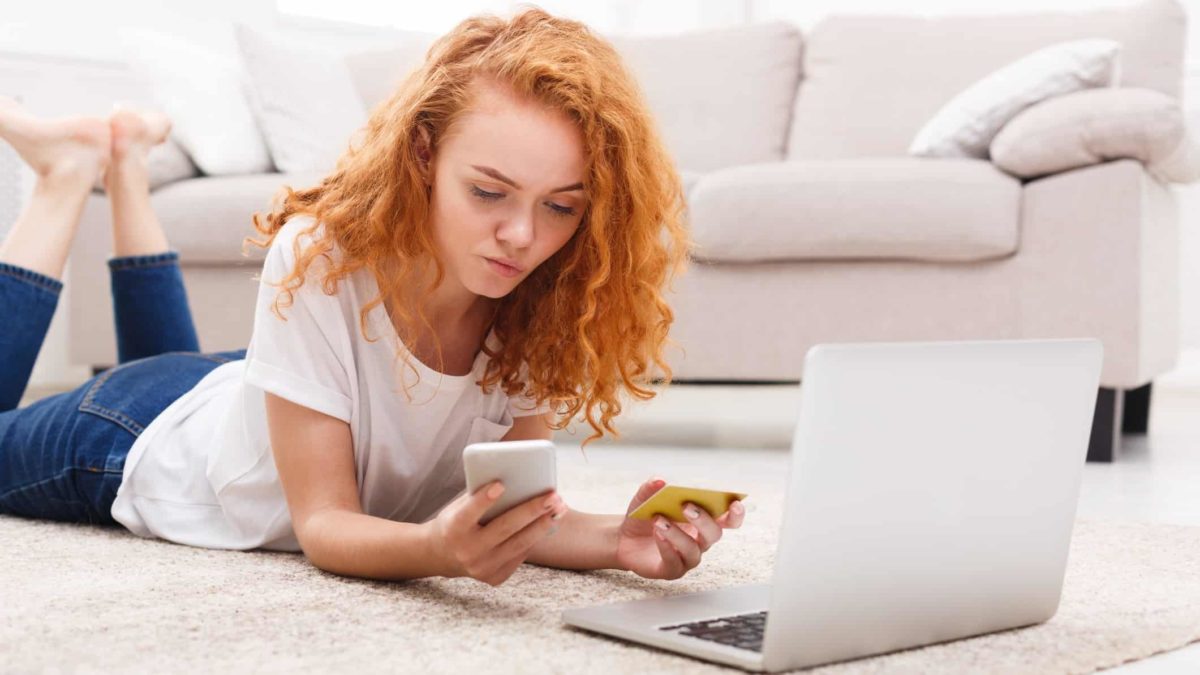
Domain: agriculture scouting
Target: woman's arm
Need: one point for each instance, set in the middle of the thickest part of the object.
(584, 541)
(314, 455)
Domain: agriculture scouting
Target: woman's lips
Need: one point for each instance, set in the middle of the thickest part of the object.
(502, 269)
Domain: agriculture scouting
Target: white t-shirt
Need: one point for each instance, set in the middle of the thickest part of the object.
(202, 473)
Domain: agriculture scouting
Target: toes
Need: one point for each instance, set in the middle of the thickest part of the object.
(136, 126)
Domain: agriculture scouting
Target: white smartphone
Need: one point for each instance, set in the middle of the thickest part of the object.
(527, 469)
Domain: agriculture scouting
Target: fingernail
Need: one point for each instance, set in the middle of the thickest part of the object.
(558, 516)
(550, 501)
(691, 512)
(495, 490)
(663, 524)
(737, 507)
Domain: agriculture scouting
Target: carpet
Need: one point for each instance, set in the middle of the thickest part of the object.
(79, 598)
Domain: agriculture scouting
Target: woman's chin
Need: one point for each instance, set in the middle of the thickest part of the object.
(494, 288)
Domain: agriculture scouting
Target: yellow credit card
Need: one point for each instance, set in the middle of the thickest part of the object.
(669, 501)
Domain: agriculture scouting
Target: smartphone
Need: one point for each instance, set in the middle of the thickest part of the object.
(527, 469)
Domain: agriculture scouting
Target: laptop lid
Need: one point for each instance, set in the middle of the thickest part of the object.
(932, 494)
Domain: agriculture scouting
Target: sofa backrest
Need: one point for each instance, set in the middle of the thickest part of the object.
(720, 97)
(871, 82)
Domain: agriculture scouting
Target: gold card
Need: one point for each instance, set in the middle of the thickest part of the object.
(669, 501)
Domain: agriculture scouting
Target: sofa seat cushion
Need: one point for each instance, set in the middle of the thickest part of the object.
(207, 218)
(903, 208)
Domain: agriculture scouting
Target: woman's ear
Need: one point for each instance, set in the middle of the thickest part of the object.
(423, 147)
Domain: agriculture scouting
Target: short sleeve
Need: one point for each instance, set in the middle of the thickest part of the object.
(306, 356)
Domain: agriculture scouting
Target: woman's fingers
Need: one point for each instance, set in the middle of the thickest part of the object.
(645, 490)
(734, 517)
(688, 548)
(673, 564)
(708, 532)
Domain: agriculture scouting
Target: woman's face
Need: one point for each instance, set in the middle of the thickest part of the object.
(507, 190)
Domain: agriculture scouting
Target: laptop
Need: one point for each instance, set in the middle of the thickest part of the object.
(931, 496)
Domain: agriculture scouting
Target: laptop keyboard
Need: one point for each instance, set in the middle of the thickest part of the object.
(744, 631)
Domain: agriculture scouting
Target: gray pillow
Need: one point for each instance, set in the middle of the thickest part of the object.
(1097, 125)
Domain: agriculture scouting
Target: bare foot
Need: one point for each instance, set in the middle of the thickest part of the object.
(66, 147)
(135, 131)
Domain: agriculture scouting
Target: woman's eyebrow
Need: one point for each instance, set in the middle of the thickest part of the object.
(489, 171)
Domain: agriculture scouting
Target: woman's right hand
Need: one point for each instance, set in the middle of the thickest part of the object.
(491, 553)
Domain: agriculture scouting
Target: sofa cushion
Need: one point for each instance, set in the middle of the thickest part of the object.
(207, 218)
(377, 73)
(720, 97)
(891, 208)
(870, 82)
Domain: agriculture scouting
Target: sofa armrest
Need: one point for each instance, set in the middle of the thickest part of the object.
(1099, 257)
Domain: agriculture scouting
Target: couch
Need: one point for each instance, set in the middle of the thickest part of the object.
(811, 222)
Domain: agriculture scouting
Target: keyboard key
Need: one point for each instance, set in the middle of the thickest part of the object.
(744, 631)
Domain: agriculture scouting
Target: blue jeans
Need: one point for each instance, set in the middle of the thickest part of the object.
(61, 458)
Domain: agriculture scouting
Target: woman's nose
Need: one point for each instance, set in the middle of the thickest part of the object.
(517, 231)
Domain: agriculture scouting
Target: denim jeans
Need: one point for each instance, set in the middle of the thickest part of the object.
(62, 457)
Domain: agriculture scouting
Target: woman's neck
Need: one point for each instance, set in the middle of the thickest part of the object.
(459, 320)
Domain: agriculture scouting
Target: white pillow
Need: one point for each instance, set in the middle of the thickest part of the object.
(204, 94)
(966, 125)
(304, 99)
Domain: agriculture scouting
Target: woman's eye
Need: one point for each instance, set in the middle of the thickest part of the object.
(485, 195)
(560, 209)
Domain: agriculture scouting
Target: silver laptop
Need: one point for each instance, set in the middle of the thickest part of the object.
(931, 497)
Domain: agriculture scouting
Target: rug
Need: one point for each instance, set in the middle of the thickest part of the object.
(87, 599)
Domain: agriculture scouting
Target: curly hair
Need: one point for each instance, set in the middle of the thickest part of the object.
(590, 323)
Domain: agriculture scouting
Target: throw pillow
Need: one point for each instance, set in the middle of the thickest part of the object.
(304, 99)
(965, 126)
(1089, 127)
(204, 95)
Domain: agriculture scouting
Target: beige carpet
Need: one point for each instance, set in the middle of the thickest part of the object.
(89, 599)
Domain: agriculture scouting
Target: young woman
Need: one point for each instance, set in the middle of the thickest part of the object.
(486, 262)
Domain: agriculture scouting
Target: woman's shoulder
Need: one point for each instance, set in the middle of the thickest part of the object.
(294, 239)
(302, 229)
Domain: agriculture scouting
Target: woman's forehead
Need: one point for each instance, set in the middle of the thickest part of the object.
(503, 130)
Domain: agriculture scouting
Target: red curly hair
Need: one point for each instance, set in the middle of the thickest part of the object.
(591, 322)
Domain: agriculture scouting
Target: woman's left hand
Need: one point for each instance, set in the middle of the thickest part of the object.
(647, 550)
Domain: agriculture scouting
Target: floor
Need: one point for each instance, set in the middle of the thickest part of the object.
(694, 431)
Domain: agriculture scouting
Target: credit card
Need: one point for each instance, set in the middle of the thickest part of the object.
(669, 501)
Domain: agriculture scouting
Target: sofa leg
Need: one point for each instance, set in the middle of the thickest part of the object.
(1106, 426)
(1136, 419)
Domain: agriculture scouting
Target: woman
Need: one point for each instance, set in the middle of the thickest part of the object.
(508, 216)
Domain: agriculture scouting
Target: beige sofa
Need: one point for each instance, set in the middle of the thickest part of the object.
(812, 225)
